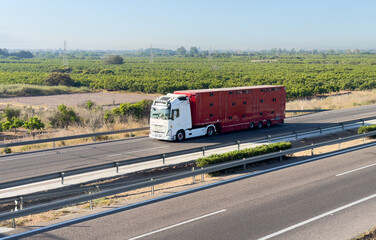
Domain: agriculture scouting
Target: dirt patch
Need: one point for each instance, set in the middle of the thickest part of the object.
(100, 98)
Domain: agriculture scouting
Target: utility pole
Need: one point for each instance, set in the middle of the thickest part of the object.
(151, 58)
(65, 59)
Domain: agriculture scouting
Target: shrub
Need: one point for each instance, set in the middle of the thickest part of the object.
(139, 110)
(366, 129)
(114, 59)
(7, 150)
(89, 104)
(9, 113)
(64, 117)
(245, 153)
(33, 123)
(57, 78)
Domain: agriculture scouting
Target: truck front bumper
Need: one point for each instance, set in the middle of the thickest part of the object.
(161, 136)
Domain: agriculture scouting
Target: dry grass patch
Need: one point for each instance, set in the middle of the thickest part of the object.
(336, 101)
(370, 235)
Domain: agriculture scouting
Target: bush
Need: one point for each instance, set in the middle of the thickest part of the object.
(139, 110)
(64, 117)
(245, 153)
(114, 59)
(9, 113)
(57, 78)
(89, 104)
(7, 150)
(33, 123)
(366, 129)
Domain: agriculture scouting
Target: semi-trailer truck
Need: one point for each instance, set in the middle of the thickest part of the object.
(193, 113)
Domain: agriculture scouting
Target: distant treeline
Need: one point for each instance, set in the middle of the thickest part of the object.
(16, 55)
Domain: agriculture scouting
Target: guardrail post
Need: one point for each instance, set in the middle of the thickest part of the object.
(364, 139)
(21, 203)
(202, 175)
(95, 138)
(203, 151)
(320, 130)
(296, 134)
(53, 144)
(269, 138)
(13, 221)
(312, 153)
(131, 134)
(152, 188)
(280, 157)
(238, 142)
(164, 158)
(339, 144)
(193, 177)
(91, 201)
(362, 122)
(15, 205)
(117, 167)
(244, 166)
(62, 178)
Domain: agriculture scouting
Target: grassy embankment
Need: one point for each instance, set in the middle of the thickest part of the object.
(27, 90)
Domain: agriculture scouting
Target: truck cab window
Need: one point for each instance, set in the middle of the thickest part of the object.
(175, 113)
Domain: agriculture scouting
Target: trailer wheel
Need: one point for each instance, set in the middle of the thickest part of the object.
(259, 124)
(210, 131)
(180, 136)
(252, 125)
(268, 123)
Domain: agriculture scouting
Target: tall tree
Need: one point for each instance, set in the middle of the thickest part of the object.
(194, 51)
(181, 50)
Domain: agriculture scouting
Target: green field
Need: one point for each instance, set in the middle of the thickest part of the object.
(302, 74)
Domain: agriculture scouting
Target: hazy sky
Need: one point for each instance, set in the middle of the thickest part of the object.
(215, 24)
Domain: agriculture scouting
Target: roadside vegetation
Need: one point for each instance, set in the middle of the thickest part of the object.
(66, 120)
(370, 235)
(28, 90)
(240, 154)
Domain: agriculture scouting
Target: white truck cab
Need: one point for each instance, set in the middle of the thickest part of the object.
(170, 119)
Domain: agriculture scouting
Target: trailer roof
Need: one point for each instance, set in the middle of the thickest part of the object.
(227, 89)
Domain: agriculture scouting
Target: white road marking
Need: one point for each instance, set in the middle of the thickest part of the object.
(113, 155)
(178, 224)
(317, 217)
(141, 150)
(27, 156)
(354, 170)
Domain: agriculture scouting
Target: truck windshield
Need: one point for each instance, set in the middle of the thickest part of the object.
(162, 113)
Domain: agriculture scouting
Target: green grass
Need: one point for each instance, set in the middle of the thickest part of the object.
(27, 90)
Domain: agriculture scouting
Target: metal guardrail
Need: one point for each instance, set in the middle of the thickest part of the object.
(218, 167)
(120, 163)
(72, 137)
(5, 145)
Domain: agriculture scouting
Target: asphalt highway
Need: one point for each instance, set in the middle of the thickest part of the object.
(331, 198)
(19, 166)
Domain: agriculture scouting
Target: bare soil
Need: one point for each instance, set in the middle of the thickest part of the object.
(99, 98)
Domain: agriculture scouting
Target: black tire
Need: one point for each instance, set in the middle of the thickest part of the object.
(180, 135)
(268, 123)
(210, 131)
(259, 124)
(252, 125)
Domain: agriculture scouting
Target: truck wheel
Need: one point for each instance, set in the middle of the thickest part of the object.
(180, 136)
(210, 131)
(268, 123)
(259, 124)
(252, 125)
